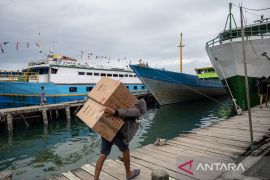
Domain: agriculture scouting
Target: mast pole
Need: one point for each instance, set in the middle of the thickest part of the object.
(230, 10)
(181, 61)
(246, 80)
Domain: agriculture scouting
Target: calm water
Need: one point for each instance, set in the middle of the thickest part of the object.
(62, 147)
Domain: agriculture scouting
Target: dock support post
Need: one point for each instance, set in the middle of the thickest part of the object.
(45, 118)
(67, 109)
(56, 114)
(10, 122)
(159, 174)
(25, 121)
(50, 114)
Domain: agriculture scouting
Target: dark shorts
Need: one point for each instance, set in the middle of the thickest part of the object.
(106, 146)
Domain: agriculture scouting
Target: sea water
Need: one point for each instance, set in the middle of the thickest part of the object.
(37, 152)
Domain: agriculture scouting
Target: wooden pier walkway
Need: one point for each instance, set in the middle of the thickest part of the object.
(224, 141)
(49, 111)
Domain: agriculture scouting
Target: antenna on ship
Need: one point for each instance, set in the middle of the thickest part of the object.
(181, 46)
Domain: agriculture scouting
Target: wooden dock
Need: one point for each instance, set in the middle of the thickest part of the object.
(224, 141)
(49, 111)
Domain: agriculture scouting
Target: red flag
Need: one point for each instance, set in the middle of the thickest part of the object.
(17, 46)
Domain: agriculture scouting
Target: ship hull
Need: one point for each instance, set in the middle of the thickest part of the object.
(170, 87)
(19, 94)
(228, 57)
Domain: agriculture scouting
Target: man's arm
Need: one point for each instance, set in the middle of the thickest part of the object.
(128, 113)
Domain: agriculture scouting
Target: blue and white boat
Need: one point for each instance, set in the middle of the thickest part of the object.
(171, 87)
(63, 78)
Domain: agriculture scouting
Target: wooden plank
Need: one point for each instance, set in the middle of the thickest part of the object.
(145, 170)
(82, 174)
(179, 156)
(190, 149)
(170, 163)
(70, 176)
(147, 163)
(111, 170)
(58, 177)
(231, 131)
(186, 152)
(91, 170)
(204, 143)
(142, 175)
(256, 128)
(204, 149)
(225, 136)
(233, 143)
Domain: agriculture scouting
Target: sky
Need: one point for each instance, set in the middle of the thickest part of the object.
(120, 29)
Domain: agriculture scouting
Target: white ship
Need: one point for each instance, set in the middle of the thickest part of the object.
(63, 78)
(225, 53)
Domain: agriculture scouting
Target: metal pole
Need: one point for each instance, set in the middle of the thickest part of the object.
(181, 61)
(246, 79)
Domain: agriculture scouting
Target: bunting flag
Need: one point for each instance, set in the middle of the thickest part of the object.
(17, 46)
(82, 54)
(2, 49)
(38, 45)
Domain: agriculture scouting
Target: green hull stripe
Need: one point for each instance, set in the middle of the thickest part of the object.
(238, 88)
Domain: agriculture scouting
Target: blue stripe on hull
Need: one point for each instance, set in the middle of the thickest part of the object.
(170, 87)
(20, 101)
(174, 77)
(17, 94)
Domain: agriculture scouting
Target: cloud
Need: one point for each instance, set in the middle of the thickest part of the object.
(115, 28)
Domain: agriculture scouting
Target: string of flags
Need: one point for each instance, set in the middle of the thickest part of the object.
(17, 44)
(89, 55)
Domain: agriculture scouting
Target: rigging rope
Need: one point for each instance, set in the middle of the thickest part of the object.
(263, 9)
(237, 108)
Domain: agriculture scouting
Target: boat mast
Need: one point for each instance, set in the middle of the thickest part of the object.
(181, 46)
(246, 79)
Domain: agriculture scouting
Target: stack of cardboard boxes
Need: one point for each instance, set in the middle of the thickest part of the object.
(111, 93)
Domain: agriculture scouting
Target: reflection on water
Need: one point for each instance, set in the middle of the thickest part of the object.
(38, 151)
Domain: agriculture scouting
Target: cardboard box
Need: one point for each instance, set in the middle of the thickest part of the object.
(92, 115)
(112, 93)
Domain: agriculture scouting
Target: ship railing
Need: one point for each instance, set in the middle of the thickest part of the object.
(25, 77)
(253, 32)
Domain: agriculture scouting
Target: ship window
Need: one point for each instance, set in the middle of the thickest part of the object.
(89, 89)
(135, 87)
(127, 87)
(96, 74)
(89, 74)
(42, 70)
(143, 87)
(130, 75)
(134, 75)
(126, 75)
(73, 89)
(102, 74)
(54, 71)
(115, 75)
(109, 75)
(81, 73)
(121, 75)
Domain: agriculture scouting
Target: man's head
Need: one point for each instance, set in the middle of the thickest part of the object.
(42, 87)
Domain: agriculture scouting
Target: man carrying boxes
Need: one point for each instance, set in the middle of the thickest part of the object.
(112, 111)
